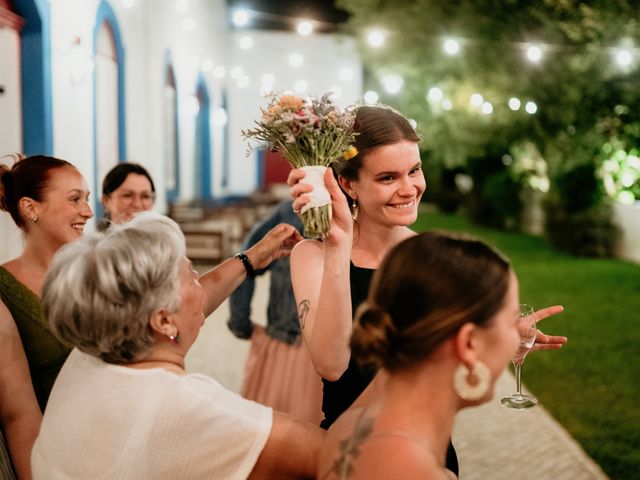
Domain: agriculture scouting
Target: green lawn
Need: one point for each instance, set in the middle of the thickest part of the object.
(592, 385)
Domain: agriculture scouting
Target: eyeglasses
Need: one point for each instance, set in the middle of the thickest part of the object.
(129, 196)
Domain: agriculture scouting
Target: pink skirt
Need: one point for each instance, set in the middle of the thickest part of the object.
(282, 377)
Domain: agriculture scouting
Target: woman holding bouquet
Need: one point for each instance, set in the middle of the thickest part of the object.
(383, 183)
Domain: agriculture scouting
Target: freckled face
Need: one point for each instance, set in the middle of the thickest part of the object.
(390, 185)
(64, 209)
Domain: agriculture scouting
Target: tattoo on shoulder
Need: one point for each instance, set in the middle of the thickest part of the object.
(303, 310)
(350, 448)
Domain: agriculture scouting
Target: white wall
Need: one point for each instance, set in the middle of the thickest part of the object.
(72, 83)
(150, 28)
(10, 129)
(324, 56)
(189, 49)
(10, 116)
(628, 218)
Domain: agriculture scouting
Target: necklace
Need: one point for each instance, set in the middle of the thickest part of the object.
(33, 267)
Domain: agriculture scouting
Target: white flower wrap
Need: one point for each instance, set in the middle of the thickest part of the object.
(319, 196)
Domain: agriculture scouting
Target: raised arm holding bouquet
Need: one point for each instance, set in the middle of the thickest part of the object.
(310, 134)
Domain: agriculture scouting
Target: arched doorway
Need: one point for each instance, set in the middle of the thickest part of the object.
(171, 147)
(10, 90)
(203, 143)
(11, 25)
(108, 101)
(35, 69)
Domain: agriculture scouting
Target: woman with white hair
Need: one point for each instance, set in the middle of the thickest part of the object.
(123, 406)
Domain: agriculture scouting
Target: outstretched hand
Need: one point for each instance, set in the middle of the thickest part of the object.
(277, 243)
(548, 342)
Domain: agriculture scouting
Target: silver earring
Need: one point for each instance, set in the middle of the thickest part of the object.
(354, 210)
(461, 384)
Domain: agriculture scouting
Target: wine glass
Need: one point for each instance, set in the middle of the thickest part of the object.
(527, 329)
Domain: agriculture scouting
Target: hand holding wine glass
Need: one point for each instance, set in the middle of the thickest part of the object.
(528, 331)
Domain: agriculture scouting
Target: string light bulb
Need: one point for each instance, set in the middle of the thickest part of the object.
(240, 18)
(296, 60)
(243, 81)
(345, 74)
(246, 43)
(301, 86)
(434, 94)
(530, 107)
(375, 38)
(534, 53)
(219, 72)
(207, 65)
(623, 57)
(182, 6)
(305, 27)
(371, 97)
(392, 83)
(188, 24)
(476, 100)
(451, 46)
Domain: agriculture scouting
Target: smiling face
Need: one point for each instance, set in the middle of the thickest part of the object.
(390, 185)
(132, 196)
(64, 210)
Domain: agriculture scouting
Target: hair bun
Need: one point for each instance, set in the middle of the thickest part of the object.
(5, 173)
(373, 335)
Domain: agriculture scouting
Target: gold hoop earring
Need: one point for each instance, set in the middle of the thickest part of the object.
(461, 384)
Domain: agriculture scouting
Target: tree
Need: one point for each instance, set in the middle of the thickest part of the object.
(582, 95)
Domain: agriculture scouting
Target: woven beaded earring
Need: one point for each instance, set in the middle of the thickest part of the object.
(461, 384)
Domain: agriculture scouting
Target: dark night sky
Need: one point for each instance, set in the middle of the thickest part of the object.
(279, 10)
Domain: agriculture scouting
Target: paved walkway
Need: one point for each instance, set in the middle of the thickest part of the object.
(493, 443)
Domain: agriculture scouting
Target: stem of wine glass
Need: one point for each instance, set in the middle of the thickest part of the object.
(518, 371)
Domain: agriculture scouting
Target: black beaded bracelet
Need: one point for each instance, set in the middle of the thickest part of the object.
(248, 266)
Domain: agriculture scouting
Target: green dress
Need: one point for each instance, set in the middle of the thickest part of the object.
(6, 471)
(44, 352)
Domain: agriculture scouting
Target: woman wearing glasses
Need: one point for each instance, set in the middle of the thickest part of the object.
(126, 190)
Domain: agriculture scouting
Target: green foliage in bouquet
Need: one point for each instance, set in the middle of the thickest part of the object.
(307, 132)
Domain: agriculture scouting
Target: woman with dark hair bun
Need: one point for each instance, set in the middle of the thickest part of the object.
(440, 322)
(126, 190)
(48, 200)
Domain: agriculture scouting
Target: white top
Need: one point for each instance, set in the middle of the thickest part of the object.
(105, 421)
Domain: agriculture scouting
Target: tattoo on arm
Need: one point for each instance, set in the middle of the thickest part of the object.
(303, 310)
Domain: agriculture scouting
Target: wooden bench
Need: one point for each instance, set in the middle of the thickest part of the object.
(207, 241)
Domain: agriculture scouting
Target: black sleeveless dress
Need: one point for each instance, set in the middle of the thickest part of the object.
(339, 395)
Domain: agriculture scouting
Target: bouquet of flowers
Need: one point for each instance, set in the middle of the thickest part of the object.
(310, 134)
